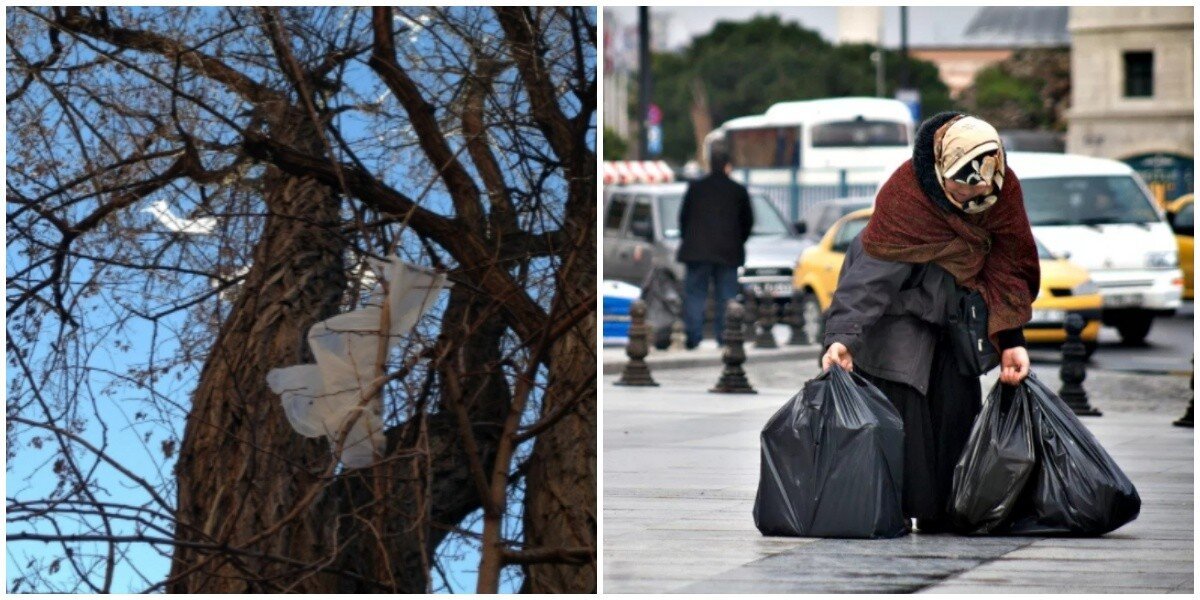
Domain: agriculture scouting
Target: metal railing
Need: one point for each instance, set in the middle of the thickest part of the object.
(794, 191)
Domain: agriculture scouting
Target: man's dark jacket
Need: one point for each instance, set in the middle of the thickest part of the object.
(715, 221)
(889, 315)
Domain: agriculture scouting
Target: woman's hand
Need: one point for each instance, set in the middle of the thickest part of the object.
(840, 354)
(1014, 365)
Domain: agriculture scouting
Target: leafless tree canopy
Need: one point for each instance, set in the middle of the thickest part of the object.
(146, 452)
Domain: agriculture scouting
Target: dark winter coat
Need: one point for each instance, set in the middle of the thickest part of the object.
(715, 221)
(993, 251)
(889, 315)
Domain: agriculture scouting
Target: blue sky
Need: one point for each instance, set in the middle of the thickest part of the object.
(928, 25)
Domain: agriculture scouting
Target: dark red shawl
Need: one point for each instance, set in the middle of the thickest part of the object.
(992, 251)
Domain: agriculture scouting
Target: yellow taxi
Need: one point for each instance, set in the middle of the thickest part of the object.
(1183, 223)
(1066, 287)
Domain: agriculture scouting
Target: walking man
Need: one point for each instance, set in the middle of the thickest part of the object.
(715, 222)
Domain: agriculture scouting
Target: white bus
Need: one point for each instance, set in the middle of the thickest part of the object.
(815, 150)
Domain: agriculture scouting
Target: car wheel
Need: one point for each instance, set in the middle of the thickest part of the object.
(814, 321)
(1134, 328)
(1089, 348)
(662, 338)
(662, 296)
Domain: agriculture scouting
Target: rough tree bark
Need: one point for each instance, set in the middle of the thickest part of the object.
(241, 468)
(560, 496)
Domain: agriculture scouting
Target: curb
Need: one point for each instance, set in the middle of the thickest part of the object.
(685, 360)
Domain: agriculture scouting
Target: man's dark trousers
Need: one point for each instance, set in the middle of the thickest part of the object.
(695, 294)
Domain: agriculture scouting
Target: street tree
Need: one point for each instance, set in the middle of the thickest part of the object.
(745, 67)
(297, 143)
(1029, 90)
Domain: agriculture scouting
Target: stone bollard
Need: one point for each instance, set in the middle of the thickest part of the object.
(1074, 371)
(750, 318)
(1186, 419)
(768, 316)
(678, 336)
(636, 371)
(733, 378)
(794, 317)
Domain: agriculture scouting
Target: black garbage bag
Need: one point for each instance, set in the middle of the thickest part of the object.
(1072, 487)
(996, 462)
(832, 463)
(1076, 488)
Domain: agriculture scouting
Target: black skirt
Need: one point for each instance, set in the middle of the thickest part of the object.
(936, 428)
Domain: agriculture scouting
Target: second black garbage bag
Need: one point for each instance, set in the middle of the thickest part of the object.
(1032, 468)
(996, 463)
(832, 463)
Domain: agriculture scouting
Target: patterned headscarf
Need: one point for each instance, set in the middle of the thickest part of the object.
(968, 150)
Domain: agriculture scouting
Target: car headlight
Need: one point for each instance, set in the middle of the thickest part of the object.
(1087, 288)
(1162, 260)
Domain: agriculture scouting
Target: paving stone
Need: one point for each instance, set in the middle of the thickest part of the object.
(991, 588)
(1092, 566)
(681, 472)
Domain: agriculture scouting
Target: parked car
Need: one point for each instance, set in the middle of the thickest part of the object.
(618, 298)
(822, 215)
(641, 236)
(1101, 215)
(1066, 287)
(1181, 215)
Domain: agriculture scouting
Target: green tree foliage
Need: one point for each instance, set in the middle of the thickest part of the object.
(747, 66)
(615, 146)
(1029, 90)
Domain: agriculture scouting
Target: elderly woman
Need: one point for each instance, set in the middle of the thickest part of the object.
(949, 219)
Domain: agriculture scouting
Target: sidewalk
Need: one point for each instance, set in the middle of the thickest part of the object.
(681, 469)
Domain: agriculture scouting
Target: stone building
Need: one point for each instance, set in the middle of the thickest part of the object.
(959, 49)
(1131, 96)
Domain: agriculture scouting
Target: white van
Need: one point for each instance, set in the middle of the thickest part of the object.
(1100, 214)
(864, 139)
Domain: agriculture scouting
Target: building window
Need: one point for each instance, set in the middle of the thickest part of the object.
(1139, 74)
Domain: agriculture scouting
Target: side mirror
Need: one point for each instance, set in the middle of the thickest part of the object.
(1065, 255)
(801, 227)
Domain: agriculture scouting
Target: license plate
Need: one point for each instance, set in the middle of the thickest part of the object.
(1049, 316)
(772, 289)
(1122, 300)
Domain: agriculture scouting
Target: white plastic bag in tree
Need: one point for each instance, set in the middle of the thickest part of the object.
(302, 393)
(319, 399)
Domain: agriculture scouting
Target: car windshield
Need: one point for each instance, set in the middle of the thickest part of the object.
(767, 220)
(1043, 252)
(1086, 200)
(850, 229)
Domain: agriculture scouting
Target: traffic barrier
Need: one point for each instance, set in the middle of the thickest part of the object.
(1074, 369)
(794, 317)
(636, 371)
(733, 377)
(1186, 419)
(768, 316)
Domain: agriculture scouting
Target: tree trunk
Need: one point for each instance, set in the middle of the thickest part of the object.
(560, 491)
(241, 466)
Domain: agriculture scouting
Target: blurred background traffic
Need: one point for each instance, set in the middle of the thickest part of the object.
(817, 105)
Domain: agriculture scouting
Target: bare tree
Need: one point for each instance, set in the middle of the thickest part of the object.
(461, 138)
